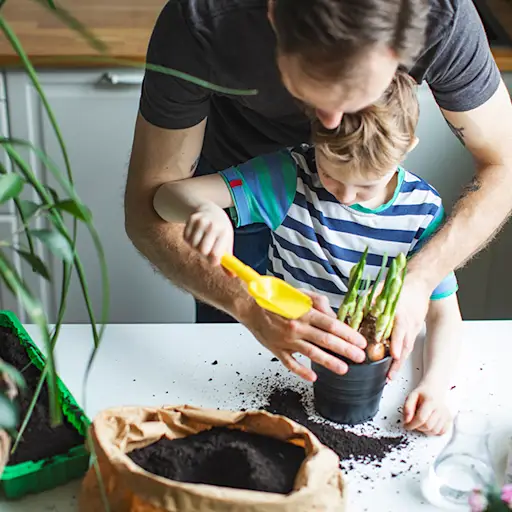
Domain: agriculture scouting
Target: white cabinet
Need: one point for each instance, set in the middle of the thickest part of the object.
(97, 120)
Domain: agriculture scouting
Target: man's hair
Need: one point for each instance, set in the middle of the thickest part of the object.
(330, 35)
(375, 139)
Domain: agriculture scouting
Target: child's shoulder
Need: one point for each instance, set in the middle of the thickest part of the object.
(418, 188)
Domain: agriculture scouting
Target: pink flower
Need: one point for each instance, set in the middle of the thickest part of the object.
(477, 502)
(506, 494)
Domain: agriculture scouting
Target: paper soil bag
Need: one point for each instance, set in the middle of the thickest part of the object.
(129, 488)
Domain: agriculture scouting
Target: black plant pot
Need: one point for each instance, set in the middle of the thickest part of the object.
(352, 398)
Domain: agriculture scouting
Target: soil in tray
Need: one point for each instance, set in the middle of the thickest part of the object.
(40, 440)
(224, 457)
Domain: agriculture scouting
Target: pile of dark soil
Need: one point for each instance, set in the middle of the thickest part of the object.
(224, 457)
(40, 440)
(347, 445)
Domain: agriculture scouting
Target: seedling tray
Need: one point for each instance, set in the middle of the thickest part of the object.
(37, 476)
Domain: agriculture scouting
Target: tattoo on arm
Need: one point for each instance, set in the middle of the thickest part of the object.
(458, 132)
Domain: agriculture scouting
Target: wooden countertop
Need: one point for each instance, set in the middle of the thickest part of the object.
(124, 25)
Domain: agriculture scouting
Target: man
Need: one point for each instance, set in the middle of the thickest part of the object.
(332, 56)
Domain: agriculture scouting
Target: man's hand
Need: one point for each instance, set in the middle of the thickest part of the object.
(426, 410)
(411, 311)
(210, 232)
(318, 329)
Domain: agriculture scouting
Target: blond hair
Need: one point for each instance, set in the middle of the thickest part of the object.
(375, 139)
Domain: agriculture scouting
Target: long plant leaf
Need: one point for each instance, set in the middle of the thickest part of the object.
(56, 242)
(28, 208)
(13, 374)
(8, 144)
(9, 413)
(130, 63)
(81, 212)
(61, 227)
(74, 24)
(36, 313)
(35, 262)
(66, 268)
(11, 185)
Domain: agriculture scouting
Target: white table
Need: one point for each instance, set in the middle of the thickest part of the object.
(171, 364)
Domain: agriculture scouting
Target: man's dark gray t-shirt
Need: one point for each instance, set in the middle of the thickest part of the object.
(231, 43)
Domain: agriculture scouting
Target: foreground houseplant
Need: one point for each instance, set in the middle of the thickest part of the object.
(52, 220)
(354, 398)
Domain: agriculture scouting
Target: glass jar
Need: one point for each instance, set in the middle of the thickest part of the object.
(463, 465)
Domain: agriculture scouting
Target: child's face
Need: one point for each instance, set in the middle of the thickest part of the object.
(350, 187)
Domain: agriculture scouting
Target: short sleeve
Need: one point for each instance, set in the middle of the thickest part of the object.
(464, 74)
(448, 286)
(262, 189)
(167, 101)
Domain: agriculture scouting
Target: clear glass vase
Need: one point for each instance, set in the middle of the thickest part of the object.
(463, 465)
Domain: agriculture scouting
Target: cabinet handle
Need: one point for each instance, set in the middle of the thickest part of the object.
(114, 79)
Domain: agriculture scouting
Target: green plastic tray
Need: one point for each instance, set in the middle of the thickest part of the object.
(37, 476)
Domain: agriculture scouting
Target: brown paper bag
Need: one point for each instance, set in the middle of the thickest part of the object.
(129, 488)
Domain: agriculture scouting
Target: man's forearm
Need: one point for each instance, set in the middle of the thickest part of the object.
(483, 208)
(162, 244)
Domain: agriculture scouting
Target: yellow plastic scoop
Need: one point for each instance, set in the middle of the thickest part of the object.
(270, 292)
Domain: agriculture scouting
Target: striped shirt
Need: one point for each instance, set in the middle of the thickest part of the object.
(316, 240)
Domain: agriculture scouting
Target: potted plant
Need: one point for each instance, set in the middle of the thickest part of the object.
(354, 398)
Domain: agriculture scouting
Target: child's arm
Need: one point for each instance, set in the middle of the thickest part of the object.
(425, 408)
(199, 203)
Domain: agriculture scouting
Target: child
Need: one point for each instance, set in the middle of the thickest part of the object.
(325, 206)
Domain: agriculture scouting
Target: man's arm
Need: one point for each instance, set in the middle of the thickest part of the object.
(160, 156)
(486, 201)
(485, 205)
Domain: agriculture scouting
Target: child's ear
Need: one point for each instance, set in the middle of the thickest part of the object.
(414, 143)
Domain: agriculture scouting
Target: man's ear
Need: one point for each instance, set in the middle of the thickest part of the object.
(414, 143)
(270, 12)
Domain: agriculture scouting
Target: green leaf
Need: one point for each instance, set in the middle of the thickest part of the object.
(13, 374)
(9, 413)
(11, 186)
(56, 242)
(70, 206)
(75, 25)
(28, 208)
(54, 194)
(35, 262)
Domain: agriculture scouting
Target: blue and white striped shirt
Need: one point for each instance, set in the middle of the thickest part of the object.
(316, 240)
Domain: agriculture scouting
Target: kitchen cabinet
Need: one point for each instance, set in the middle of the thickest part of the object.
(96, 112)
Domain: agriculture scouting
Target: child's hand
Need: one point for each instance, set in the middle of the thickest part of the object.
(426, 410)
(210, 232)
